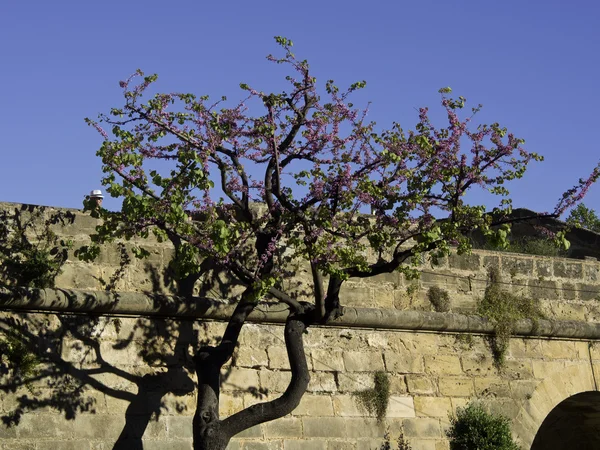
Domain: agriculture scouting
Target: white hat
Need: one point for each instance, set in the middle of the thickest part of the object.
(96, 193)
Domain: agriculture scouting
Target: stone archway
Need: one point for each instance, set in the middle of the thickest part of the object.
(569, 392)
(573, 423)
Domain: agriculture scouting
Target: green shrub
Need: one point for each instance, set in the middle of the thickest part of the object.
(473, 428)
(439, 298)
(375, 400)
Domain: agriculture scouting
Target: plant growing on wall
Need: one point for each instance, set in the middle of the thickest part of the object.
(375, 400)
(503, 309)
(281, 178)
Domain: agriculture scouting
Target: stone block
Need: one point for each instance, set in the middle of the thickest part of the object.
(341, 445)
(360, 428)
(588, 291)
(491, 387)
(403, 362)
(398, 384)
(470, 262)
(305, 444)
(443, 364)
(591, 273)
(543, 289)
(314, 405)
(322, 382)
(327, 360)
(255, 432)
(456, 386)
(229, 405)
(325, 427)
(420, 384)
(363, 361)
(179, 427)
(543, 267)
(274, 381)
(270, 445)
(514, 265)
(283, 428)
(491, 261)
(432, 406)
(278, 358)
(240, 379)
(400, 406)
(422, 428)
(180, 444)
(568, 269)
(347, 406)
(251, 358)
(569, 291)
(480, 364)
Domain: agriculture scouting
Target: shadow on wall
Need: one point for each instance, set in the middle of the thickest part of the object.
(76, 364)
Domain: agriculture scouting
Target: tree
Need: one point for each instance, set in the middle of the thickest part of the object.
(584, 217)
(289, 177)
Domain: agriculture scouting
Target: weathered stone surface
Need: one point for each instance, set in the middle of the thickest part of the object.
(363, 361)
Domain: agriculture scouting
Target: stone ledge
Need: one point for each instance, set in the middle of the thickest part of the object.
(139, 304)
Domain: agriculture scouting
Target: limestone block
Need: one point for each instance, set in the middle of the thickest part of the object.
(470, 262)
(269, 445)
(283, 428)
(420, 384)
(255, 432)
(591, 273)
(341, 445)
(347, 406)
(523, 389)
(518, 368)
(229, 405)
(515, 265)
(363, 361)
(554, 349)
(274, 381)
(456, 386)
(240, 379)
(354, 382)
(278, 358)
(403, 362)
(443, 364)
(364, 428)
(325, 427)
(397, 384)
(543, 267)
(327, 360)
(432, 406)
(422, 428)
(179, 427)
(305, 444)
(479, 364)
(400, 406)
(322, 382)
(567, 269)
(314, 405)
(491, 387)
(251, 358)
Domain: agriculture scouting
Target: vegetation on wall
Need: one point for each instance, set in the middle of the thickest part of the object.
(439, 298)
(400, 444)
(474, 428)
(375, 400)
(504, 309)
(31, 254)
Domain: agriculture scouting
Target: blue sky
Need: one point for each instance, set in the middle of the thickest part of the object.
(534, 65)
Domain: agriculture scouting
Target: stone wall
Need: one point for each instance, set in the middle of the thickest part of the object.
(124, 382)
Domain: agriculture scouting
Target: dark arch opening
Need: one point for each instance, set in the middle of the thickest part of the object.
(573, 424)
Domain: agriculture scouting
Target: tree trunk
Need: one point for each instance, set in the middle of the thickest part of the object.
(211, 433)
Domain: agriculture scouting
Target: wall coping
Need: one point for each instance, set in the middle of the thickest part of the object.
(140, 304)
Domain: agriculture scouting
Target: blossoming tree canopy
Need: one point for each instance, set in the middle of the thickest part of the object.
(284, 177)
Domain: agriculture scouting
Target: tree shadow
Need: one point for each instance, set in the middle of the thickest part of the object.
(65, 361)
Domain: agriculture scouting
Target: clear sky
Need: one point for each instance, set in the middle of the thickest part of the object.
(535, 66)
